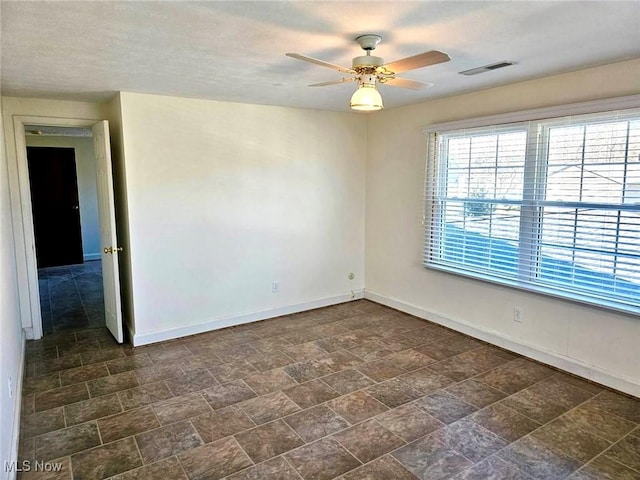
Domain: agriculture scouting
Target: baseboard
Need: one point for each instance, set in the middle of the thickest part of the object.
(91, 256)
(554, 359)
(239, 319)
(17, 409)
(28, 332)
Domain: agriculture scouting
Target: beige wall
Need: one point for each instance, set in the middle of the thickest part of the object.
(11, 338)
(225, 198)
(87, 194)
(592, 341)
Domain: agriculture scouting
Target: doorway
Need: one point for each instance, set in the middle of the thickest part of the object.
(64, 210)
(100, 260)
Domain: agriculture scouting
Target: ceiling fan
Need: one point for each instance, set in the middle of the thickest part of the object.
(368, 70)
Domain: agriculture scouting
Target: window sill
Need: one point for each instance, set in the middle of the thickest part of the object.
(582, 299)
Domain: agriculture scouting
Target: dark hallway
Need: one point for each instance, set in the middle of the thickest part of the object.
(71, 296)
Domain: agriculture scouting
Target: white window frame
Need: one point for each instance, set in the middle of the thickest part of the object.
(538, 117)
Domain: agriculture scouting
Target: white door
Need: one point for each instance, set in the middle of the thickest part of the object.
(108, 239)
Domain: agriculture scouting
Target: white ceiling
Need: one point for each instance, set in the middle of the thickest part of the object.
(234, 50)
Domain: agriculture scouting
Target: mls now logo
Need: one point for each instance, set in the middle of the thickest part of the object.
(29, 466)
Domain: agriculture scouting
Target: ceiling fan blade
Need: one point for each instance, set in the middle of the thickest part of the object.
(322, 63)
(335, 82)
(405, 83)
(417, 61)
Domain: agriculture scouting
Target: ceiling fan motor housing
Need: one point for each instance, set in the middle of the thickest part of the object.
(366, 62)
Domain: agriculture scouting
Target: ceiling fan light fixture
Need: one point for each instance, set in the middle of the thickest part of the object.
(366, 98)
(369, 69)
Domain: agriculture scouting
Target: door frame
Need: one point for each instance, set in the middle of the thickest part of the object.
(24, 238)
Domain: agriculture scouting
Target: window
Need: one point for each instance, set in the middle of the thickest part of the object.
(550, 205)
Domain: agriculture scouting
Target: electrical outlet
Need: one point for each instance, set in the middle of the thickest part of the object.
(518, 315)
(10, 387)
(275, 287)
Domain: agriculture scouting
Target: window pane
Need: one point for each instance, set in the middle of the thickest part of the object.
(605, 142)
(565, 146)
(563, 183)
(478, 231)
(458, 152)
(590, 249)
(603, 183)
(484, 150)
(632, 181)
(596, 230)
(629, 236)
(589, 163)
(511, 148)
(486, 166)
(577, 230)
(564, 175)
(485, 242)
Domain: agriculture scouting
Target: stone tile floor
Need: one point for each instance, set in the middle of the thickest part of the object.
(352, 392)
(71, 296)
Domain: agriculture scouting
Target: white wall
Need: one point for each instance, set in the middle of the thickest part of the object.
(11, 338)
(590, 341)
(87, 193)
(225, 198)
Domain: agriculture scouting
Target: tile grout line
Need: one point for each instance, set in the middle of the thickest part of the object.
(558, 450)
(182, 466)
(239, 445)
(324, 437)
(613, 444)
(189, 420)
(516, 467)
(135, 442)
(373, 419)
(575, 407)
(84, 308)
(292, 467)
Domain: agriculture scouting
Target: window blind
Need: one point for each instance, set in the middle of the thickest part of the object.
(551, 205)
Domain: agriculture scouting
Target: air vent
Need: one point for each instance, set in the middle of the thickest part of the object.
(487, 68)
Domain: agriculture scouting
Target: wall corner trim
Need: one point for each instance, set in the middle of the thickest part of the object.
(17, 409)
(571, 365)
(146, 338)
